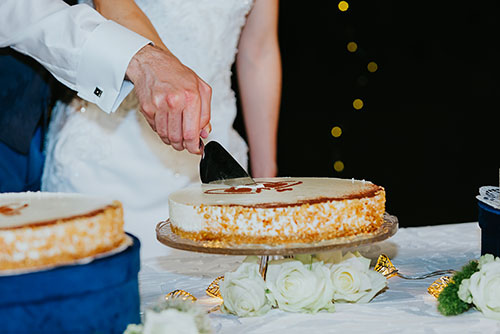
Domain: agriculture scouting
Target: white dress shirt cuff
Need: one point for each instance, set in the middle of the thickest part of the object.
(101, 73)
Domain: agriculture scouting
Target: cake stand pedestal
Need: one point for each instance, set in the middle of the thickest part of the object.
(165, 235)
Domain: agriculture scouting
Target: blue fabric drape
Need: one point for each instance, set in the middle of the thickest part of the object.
(99, 297)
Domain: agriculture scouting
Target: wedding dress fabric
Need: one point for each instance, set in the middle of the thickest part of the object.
(118, 155)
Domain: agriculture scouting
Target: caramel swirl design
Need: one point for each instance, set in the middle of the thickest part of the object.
(12, 209)
(279, 186)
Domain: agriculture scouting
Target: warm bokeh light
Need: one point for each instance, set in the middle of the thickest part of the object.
(352, 46)
(336, 131)
(372, 66)
(343, 6)
(357, 104)
(338, 166)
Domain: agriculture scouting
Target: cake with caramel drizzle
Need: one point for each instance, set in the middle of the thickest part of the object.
(278, 211)
(40, 230)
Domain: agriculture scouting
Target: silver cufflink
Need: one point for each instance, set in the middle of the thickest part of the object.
(98, 92)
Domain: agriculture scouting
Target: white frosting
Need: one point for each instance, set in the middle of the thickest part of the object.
(42, 206)
(308, 189)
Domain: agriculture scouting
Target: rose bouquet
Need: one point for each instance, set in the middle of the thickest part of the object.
(476, 285)
(306, 283)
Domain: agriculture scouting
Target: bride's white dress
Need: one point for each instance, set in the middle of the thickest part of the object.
(118, 155)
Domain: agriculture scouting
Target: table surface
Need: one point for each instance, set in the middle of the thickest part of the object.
(405, 307)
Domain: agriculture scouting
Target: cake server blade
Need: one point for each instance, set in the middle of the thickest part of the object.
(218, 166)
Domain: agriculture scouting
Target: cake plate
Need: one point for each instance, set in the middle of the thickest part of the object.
(165, 235)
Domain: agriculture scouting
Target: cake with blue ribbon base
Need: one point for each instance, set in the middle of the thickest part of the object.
(66, 266)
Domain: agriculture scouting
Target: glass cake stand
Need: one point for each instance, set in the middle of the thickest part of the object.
(165, 235)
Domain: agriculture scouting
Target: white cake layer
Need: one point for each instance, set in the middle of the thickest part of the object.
(18, 209)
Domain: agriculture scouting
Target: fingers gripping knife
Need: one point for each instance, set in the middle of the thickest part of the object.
(218, 166)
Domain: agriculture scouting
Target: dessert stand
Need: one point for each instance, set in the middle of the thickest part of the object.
(165, 235)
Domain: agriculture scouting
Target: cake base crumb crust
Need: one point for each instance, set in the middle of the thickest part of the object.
(269, 240)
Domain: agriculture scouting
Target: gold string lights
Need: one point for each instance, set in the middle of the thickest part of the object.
(372, 67)
(343, 6)
(352, 46)
(358, 104)
(336, 131)
(338, 166)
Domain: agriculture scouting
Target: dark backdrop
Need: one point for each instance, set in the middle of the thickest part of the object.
(428, 131)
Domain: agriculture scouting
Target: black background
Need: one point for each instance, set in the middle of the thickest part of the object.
(428, 132)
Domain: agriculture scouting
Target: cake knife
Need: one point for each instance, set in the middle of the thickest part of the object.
(218, 166)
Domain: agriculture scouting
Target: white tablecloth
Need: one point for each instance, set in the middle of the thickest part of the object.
(405, 307)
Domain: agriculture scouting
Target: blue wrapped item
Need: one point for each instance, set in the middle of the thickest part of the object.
(99, 297)
(489, 221)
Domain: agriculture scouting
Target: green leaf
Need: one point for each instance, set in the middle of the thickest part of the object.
(448, 301)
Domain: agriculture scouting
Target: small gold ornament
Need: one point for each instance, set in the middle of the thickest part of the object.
(385, 266)
(213, 289)
(438, 285)
(184, 295)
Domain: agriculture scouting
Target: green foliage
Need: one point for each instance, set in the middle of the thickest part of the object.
(449, 302)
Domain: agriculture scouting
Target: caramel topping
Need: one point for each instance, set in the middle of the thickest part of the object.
(10, 210)
(279, 186)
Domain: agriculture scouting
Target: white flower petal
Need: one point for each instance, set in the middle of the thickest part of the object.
(484, 286)
(244, 291)
(169, 321)
(300, 288)
(353, 281)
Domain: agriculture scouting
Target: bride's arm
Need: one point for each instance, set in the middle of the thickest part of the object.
(129, 15)
(259, 78)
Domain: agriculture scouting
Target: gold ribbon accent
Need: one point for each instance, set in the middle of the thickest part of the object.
(438, 285)
(213, 289)
(184, 295)
(385, 266)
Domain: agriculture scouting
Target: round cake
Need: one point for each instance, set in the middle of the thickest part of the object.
(278, 210)
(47, 229)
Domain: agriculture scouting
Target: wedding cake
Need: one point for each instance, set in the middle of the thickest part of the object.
(46, 229)
(278, 210)
(66, 265)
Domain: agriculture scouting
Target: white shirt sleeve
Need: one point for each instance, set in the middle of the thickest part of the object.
(82, 49)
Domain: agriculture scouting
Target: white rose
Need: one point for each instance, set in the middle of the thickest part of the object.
(298, 287)
(244, 291)
(464, 292)
(170, 321)
(484, 259)
(484, 286)
(354, 282)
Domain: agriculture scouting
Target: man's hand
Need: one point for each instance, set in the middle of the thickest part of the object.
(174, 100)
